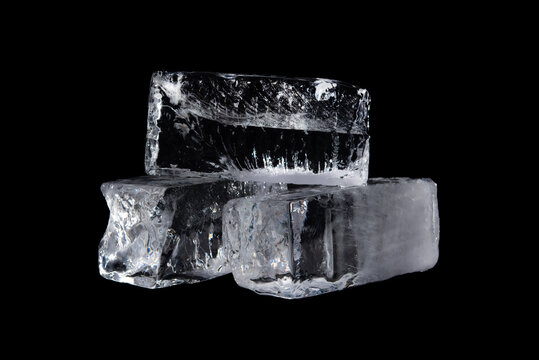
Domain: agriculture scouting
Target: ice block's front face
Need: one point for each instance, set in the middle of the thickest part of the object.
(165, 231)
(304, 244)
(310, 131)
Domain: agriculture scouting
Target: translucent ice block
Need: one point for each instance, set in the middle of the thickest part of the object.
(164, 231)
(320, 239)
(304, 131)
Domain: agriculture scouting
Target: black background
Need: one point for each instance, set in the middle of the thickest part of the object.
(414, 67)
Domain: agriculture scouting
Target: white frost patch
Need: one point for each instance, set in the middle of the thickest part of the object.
(362, 92)
(173, 90)
(324, 89)
(184, 129)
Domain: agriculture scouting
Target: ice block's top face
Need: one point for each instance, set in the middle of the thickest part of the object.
(208, 122)
(164, 182)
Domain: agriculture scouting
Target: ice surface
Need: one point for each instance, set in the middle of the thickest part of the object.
(164, 231)
(305, 131)
(320, 239)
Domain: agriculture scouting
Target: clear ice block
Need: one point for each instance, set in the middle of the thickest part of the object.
(164, 231)
(315, 240)
(303, 131)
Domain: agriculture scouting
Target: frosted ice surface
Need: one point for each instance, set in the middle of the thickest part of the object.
(320, 239)
(305, 131)
(164, 231)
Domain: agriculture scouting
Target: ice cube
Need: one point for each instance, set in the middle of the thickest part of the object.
(304, 131)
(167, 230)
(315, 240)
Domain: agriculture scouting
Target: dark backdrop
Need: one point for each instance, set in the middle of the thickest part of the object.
(414, 72)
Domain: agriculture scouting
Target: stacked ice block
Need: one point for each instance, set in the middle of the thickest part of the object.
(265, 178)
